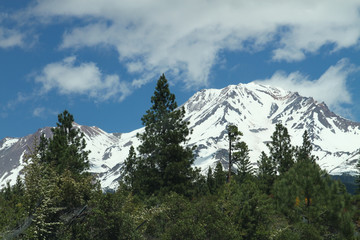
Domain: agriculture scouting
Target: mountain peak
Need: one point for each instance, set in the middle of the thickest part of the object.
(253, 107)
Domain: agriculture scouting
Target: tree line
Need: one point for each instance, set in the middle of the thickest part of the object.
(162, 196)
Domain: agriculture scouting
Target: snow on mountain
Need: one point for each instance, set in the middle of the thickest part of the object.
(253, 107)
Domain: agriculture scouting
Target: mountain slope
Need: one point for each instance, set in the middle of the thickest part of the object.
(254, 108)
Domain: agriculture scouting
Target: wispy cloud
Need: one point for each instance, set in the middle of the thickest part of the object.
(42, 112)
(331, 87)
(38, 112)
(10, 38)
(68, 77)
(184, 38)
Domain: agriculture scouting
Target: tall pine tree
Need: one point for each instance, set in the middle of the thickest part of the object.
(304, 152)
(233, 136)
(66, 149)
(164, 162)
(266, 173)
(281, 151)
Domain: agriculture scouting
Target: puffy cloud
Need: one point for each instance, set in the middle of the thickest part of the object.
(330, 88)
(185, 37)
(70, 78)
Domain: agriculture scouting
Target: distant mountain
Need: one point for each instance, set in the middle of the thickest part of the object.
(254, 108)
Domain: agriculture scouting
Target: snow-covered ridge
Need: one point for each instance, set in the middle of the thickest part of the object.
(253, 107)
(7, 143)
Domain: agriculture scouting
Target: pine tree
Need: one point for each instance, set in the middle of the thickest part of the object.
(304, 152)
(219, 176)
(210, 181)
(242, 161)
(238, 154)
(42, 197)
(266, 172)
(281, 151)
(66, 149)
(163, 160)
(129, 168)
(233, 137)
(307, 194)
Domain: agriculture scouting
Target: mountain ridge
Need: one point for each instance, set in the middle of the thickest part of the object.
(253, 107)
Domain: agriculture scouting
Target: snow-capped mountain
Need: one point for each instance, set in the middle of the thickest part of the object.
(254, 108)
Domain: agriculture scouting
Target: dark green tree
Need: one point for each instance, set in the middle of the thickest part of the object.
(304, 152)
(129, 168)
(210, 181)
(234, 137)
(220, 176)
(55, 181)
(307, 194)
(266, 173)
(164, 162)
(66, 149)
(247, 209)
(109, 216)
(281, 151)
(242, 161)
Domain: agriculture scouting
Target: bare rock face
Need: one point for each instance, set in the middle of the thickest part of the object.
(254, 108)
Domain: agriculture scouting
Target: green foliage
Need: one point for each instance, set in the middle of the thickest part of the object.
(266, 173)
(12, 208)
(66, 150)
(242, 161)
(162, 197)
(164, 163)
(108, 217)
(307, 194)
(175, 219)
(129, 169)
(238, 154)
(304, 152)
(247, 209)
(42, 198)
(281, 151)
(219, 177)
(234, 137)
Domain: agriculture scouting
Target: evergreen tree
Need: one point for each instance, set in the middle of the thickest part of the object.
(307, 194)
(42, 197)
(66, 149)
(219, 176)
(164, 162)
(210, 181)
(55, 181)
(242, 161)
(281, 151)
(129, 168)
(304, 152)
(233, 137)
(266, 173)
(247, 209)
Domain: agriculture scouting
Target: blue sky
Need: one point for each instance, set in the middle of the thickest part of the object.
(101, 59)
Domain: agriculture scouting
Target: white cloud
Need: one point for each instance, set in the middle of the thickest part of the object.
(10, 38)
(43, 112)
(67, 77)
(330, 87)
(38, 112)
(185, 37)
